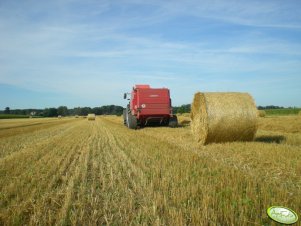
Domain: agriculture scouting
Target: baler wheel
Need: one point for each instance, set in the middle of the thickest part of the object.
(124, 116)
(131, 121)
(173, 121)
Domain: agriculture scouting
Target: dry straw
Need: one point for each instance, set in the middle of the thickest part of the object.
(223, 117)
(261, 113)
(91, 116)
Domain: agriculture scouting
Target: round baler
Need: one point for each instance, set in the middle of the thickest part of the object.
(149, 107)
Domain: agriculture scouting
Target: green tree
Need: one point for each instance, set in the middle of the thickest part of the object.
(86, 110)
(77, 111)
(97, 110)
(50, 112)
(185, 108)
(7, 110)
(62, 110)
(181, 110)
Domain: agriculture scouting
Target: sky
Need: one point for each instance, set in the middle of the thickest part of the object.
(88, 53)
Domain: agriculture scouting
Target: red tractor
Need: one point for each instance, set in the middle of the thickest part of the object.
(148, 106)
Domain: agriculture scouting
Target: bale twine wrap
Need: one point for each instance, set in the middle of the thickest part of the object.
(223, 117)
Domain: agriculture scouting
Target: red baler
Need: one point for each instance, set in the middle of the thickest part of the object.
(149, 106)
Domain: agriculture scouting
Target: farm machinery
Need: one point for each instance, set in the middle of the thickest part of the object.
(148, 106)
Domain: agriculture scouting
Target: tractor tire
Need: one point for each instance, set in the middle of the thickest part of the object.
(124, 116)
(173, 121)
(131, 121)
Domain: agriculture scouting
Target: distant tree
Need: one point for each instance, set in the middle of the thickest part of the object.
(109, 110)
(117, 110)
(50, 112)
(46, 112)
(53, 112)
(7, 110)
(86, 111)
(181, 110)
(270, 107)
(77, 111)
(62, 110)
(97, 110)
(185, 108)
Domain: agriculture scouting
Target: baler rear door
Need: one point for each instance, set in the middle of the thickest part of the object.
(153, 102)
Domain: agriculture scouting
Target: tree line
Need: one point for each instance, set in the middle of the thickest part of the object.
(274, 107)
(81, 111)
(185, 108)
(103, 110)
(64, 111)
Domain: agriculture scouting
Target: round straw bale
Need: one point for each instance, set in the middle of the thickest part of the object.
(223, 117)
(91, 117)
(261, 113)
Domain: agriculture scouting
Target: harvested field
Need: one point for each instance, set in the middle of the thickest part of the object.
(71, 171)
(11, 127)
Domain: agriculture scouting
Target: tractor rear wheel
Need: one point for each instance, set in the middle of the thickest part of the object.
(131, 120)
(124, 116)
(173, 121)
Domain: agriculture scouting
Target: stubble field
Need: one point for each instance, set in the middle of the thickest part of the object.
(78, 172)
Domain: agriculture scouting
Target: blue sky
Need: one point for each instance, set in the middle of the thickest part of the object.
(87, 53)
